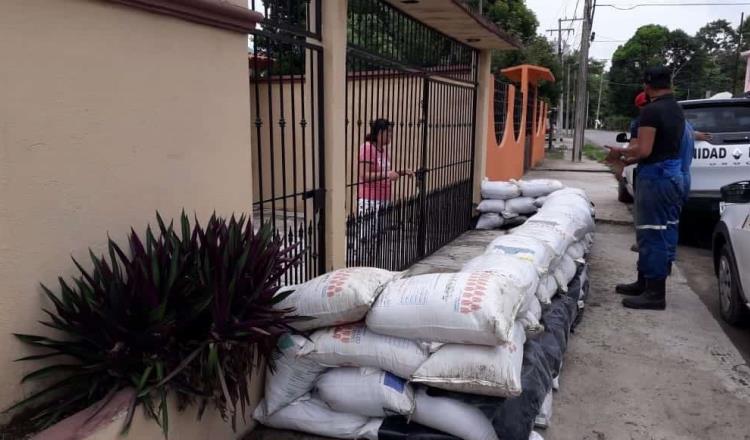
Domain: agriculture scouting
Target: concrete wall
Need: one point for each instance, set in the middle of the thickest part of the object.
(107, 114)
(505, 156)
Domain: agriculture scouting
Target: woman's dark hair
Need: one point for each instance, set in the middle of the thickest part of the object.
(376, 127)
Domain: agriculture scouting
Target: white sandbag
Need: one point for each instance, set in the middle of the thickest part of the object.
(535, 436)
(489, 220)
(524, 248)
(549, 234)
(461, 308)
(565, 272)
(354, 345)
(293, 376)
(520, 272)
(588, 242)
(490, 205)
(544, 417)
(576, 251)
(476, 369)
(556, 383)
(338, 297)
(539, 201)
(508, 215)
(520, 205)
(538, 187)
(529, 316)
(311, 415)
(452, 417)
(570, 191)
(499, 190)
(365, 391)
(566, 221)
(547, 289)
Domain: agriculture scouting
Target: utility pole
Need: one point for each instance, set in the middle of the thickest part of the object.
(568, 99)
(561, 101)
(599, 101)
(737, 57)
(583, 69)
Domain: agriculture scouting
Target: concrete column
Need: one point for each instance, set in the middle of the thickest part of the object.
(484, 100)
(333, 17)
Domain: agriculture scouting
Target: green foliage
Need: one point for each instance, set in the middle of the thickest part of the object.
(188, 313)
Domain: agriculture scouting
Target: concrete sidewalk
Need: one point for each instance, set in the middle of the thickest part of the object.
(643, 374)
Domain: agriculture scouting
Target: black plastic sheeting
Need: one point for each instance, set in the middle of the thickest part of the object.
(513, 419)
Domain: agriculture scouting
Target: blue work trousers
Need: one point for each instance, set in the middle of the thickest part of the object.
(659, 200)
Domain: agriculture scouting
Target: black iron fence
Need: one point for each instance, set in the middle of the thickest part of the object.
(286, 72)
(409, 188)
(500, 106)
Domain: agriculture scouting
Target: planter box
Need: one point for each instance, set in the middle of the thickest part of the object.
(183, 425)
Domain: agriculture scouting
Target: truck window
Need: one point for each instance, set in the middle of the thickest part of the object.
(720, 119)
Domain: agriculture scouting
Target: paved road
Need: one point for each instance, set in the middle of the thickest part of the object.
(601, 137)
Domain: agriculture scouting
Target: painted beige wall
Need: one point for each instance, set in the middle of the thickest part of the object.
(107, 114)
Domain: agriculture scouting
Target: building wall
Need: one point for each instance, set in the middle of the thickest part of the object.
(107, 114)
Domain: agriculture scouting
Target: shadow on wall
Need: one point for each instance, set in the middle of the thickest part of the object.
(520, 122)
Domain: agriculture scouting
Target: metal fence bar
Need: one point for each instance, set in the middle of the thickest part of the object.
(285, 67)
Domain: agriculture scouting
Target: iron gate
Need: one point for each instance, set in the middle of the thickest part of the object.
(286, 100)
(409, 197)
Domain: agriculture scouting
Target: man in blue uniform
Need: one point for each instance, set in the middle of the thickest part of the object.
(660, 135)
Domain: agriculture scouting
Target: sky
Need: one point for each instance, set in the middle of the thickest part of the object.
(613, 27)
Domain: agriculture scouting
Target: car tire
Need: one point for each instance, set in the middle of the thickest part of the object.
(622, 192)
(731, 305)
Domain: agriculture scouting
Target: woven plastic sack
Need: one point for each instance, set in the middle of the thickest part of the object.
(453, 417)
(535, 436)
(544, 418)
(520, 272)
(565, 272)
(490, 220)
(550, 235)
(524, 248)
(539, 201)
(464, 368)
(311, 415)
(547, 289)
(565, 220)
(292, 377)
(499, 190)
(461, 308)
(576, 251)
(538, 187)
(530, 315)
(490, 205)
(354, 345)
(520, 205)
(365, 391)
(338, 297)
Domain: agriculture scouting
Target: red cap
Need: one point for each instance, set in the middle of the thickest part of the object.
(641, 100)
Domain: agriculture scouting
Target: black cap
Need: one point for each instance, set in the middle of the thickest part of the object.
(658, 77)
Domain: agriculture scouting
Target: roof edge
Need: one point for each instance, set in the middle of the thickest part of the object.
(489, 25)
(217, 13)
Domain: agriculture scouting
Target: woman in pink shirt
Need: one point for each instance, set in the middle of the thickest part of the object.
(375, 178)
(375, 173)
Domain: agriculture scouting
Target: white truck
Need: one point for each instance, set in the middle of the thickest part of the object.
(722, 160)
(731, 250)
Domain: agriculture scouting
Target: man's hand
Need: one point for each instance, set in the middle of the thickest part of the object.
(701, 136)
(406, 172)
(614, 154)
(393, 175)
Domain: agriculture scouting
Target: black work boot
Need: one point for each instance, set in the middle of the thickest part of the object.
(632, 289)
(652, 299)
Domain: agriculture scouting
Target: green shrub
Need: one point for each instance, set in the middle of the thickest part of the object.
(190, 314)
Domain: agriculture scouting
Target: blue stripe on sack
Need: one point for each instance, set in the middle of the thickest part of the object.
(395, 382)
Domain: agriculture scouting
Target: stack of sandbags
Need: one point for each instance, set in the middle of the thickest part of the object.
(333, 304)
(511, 203)
(436, 330)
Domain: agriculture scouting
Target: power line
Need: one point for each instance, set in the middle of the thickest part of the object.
(630, 8)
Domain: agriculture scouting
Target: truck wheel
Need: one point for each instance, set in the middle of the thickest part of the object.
(731, 304)
(622, 192)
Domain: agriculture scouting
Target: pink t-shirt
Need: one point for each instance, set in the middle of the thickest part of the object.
(374, 160)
